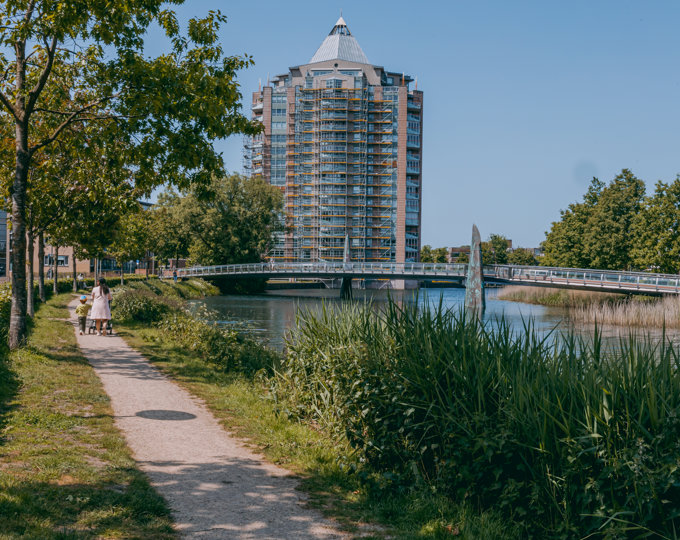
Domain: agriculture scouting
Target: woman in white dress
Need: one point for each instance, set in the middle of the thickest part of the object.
(101, 312)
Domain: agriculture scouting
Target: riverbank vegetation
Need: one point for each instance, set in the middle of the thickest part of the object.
(234, 375)
(565, 298)
(562, 438)
(592, 307)
(657, 313)
(432, 424)
(65, 470)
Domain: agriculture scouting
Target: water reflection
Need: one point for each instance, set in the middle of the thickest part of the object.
(269, 316)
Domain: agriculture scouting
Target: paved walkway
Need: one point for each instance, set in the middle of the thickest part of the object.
(216, 487)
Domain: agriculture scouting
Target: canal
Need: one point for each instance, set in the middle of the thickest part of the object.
(269, 316)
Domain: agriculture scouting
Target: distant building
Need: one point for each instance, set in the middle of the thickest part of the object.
(343, 140)
(454, 253)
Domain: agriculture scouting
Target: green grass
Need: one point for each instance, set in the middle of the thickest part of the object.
(65, 470)
(244, 407)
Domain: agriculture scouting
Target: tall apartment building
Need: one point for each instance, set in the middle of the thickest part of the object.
(343, 139)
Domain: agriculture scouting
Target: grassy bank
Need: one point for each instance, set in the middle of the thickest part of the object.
(563, 439)
(234, 375)
(65, 471)
(434, 425)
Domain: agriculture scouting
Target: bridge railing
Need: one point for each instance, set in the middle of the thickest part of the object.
(580, 276)
(340, 268)
(577, 277)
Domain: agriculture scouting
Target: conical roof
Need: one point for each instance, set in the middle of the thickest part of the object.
(340, 44)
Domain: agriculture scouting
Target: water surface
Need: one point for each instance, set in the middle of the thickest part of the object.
(270, 315)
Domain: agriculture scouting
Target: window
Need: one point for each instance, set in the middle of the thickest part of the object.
(61, 261)
(279, 98)
(334, 83)
(278, 125)
(279, 111)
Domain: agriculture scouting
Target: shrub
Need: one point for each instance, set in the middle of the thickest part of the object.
(552, 431)
(140, 305)
(222, 347)
(5, 307)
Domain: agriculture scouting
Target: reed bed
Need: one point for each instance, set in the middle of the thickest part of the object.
(662, 313)
(553, 432)
(546, 296)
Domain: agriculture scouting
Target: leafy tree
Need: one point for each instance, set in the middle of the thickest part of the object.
(463, 258)
(656, 230)
(523, 257)
(440, 255)
(434, 255)
(234, 221)
(171, 225)
(132, 240)
(608, 241)
(495, 250)
(72, 64)
(564, 242)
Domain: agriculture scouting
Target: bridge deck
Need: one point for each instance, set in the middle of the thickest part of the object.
(537, 276)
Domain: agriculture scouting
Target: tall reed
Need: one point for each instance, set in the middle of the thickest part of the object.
(661, 313)
(567, 298)
(553, 431)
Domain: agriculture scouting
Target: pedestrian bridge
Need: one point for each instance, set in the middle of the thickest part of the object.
(535, 276)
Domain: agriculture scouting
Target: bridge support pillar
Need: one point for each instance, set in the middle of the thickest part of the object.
(346, 288)
(474, 284)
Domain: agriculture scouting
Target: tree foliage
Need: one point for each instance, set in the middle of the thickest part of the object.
(656, 230)
(495, 250)
(232, 220)
(70, 65)
(564, 243)
(434, 255)
(608, 239)
(617, 227)
(523, 257)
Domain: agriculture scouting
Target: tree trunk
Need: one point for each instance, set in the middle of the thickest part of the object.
(41, 266)
(122, 279)
(55, 284)
(75, 276)
(146, 267)
(17, 320)
(30, 311)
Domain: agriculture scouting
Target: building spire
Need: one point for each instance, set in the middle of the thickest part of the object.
(340, 44)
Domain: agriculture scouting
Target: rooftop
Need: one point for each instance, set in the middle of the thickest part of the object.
(340, 44)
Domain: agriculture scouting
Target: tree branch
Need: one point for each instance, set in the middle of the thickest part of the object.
(8, 105)
(73, 117)
(37, 89)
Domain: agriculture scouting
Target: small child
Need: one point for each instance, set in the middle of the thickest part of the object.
(81, 311)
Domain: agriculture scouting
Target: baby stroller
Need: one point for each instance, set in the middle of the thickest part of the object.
(92, 329)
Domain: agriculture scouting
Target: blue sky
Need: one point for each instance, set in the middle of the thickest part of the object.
(525, 101)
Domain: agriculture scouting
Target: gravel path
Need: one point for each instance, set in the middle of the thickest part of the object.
(215, 486)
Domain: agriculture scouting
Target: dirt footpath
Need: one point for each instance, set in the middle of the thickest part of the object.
(215, 486)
